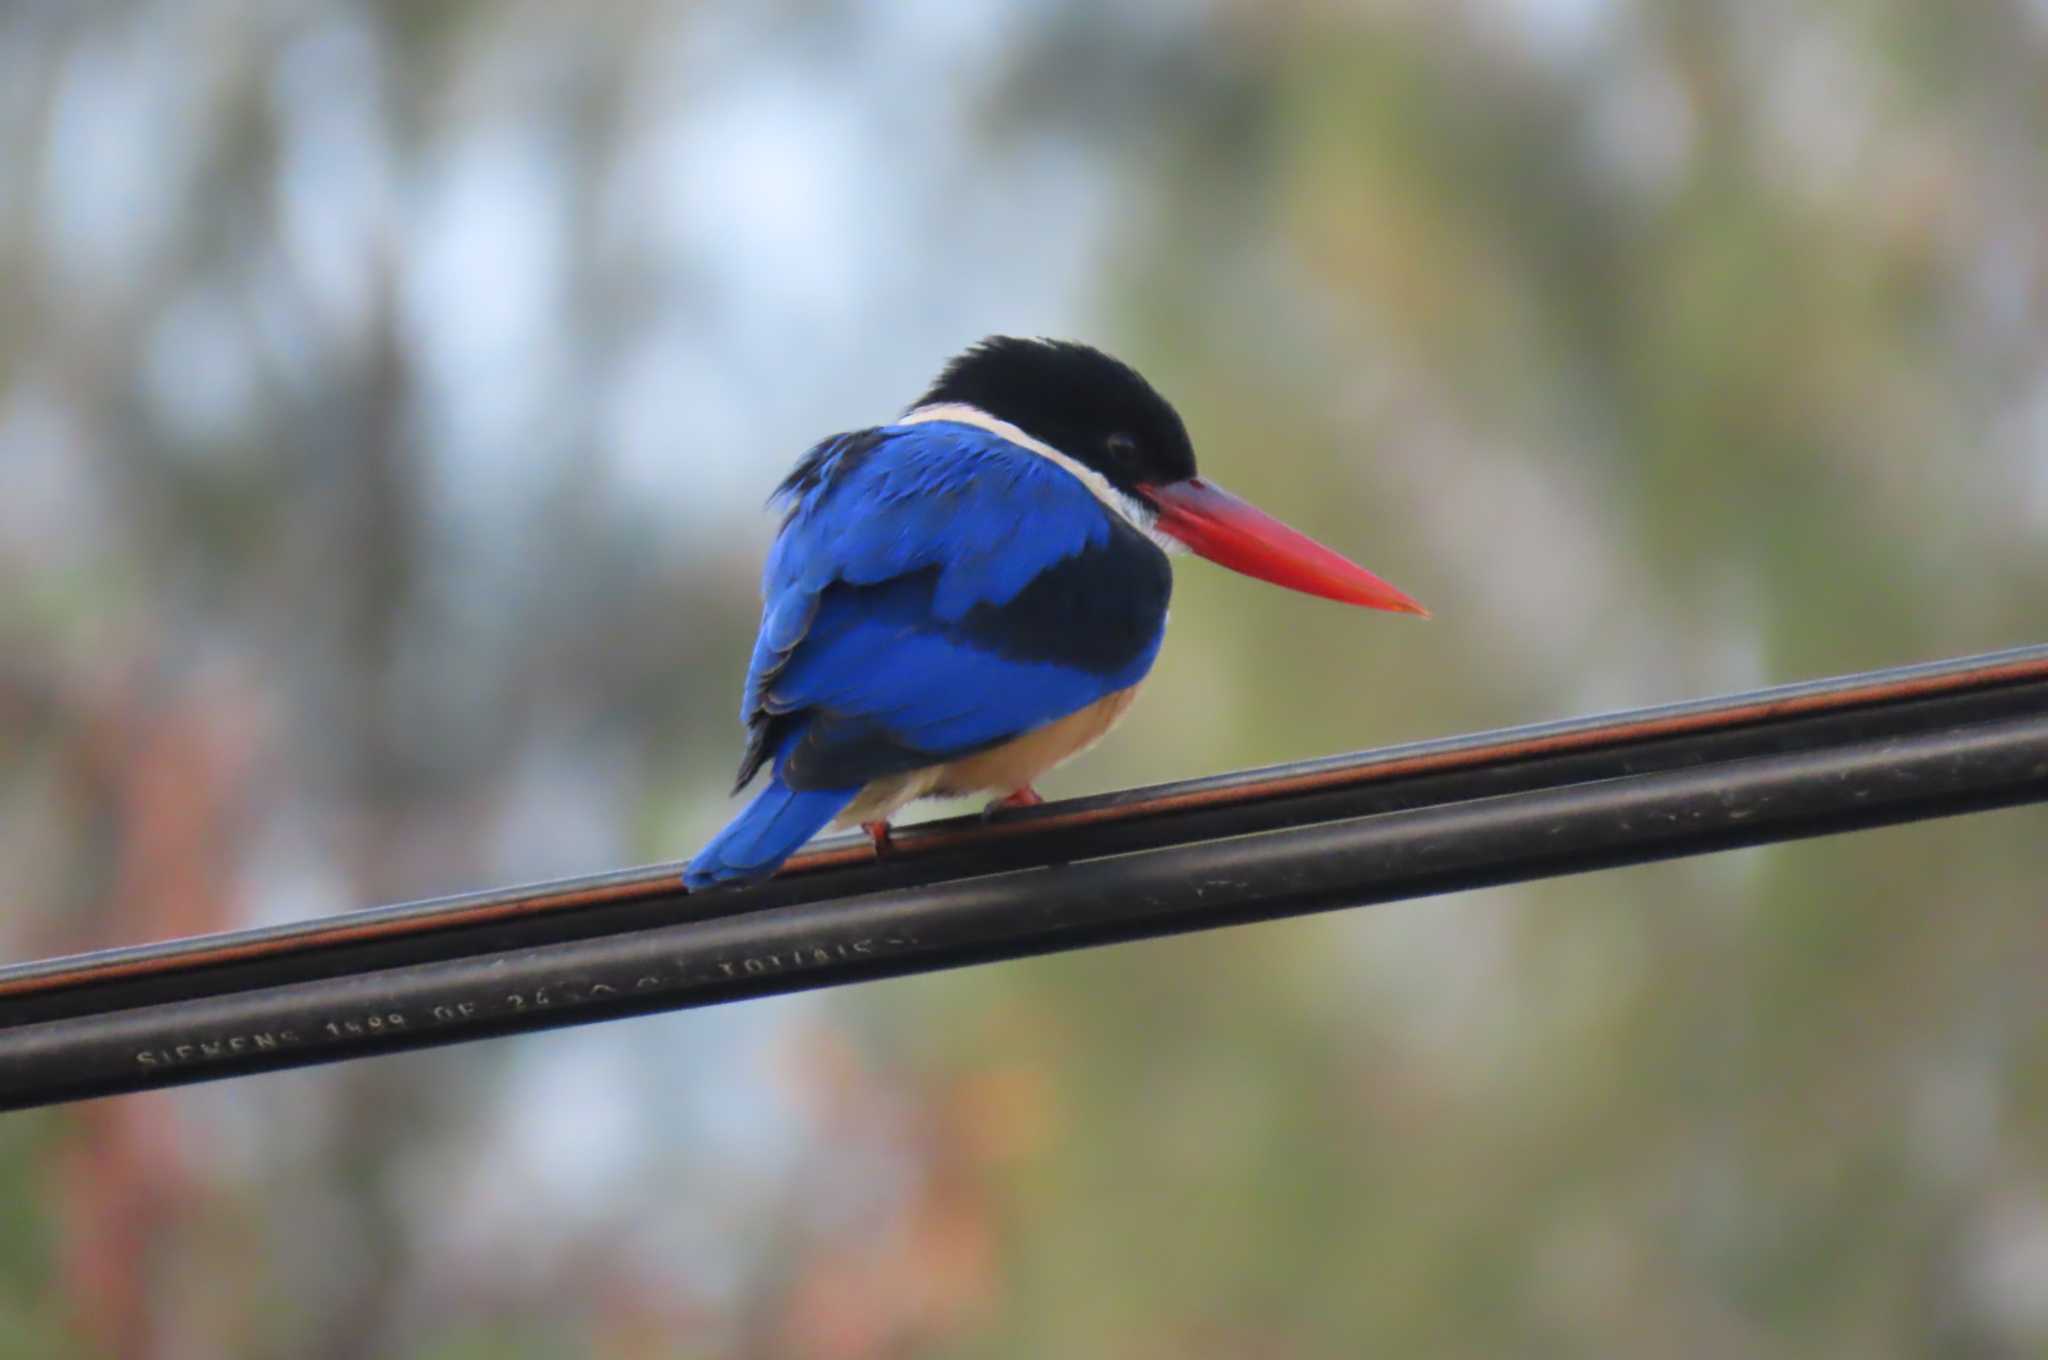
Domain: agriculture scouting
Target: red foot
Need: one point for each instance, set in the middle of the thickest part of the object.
(1022, 798)
(878, 832)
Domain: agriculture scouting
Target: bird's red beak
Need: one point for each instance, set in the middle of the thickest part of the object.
(1237, 534)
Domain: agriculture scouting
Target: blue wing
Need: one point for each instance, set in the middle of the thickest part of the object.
(937, 590)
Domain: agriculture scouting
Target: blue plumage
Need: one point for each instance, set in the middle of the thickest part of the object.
(985, 513)
(935, 590)
(778, 821)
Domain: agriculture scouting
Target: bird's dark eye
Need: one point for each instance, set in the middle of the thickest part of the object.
(1124, 449)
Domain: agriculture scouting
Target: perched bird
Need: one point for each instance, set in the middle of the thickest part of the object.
(961, 600)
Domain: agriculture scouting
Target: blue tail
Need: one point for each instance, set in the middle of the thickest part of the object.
(754, 844)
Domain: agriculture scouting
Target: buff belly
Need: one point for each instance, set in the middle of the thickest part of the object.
(1016, 764)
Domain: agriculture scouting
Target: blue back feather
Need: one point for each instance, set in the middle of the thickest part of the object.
(887, 640)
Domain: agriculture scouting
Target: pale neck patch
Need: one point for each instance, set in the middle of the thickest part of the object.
(1128, 508)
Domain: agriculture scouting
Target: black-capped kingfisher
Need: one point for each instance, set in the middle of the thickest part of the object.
(961, 600)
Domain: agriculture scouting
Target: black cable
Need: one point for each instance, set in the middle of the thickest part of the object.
(1807, 760)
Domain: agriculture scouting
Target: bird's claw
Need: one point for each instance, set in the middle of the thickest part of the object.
(878, 832)
(1025, 797)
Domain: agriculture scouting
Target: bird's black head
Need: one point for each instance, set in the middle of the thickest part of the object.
(1093, 408)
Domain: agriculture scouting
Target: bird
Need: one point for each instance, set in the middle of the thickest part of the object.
(962, 599)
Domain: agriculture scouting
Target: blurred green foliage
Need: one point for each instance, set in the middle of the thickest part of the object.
(1661, 349)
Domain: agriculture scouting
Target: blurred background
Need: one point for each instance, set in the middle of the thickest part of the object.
(387, 397)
